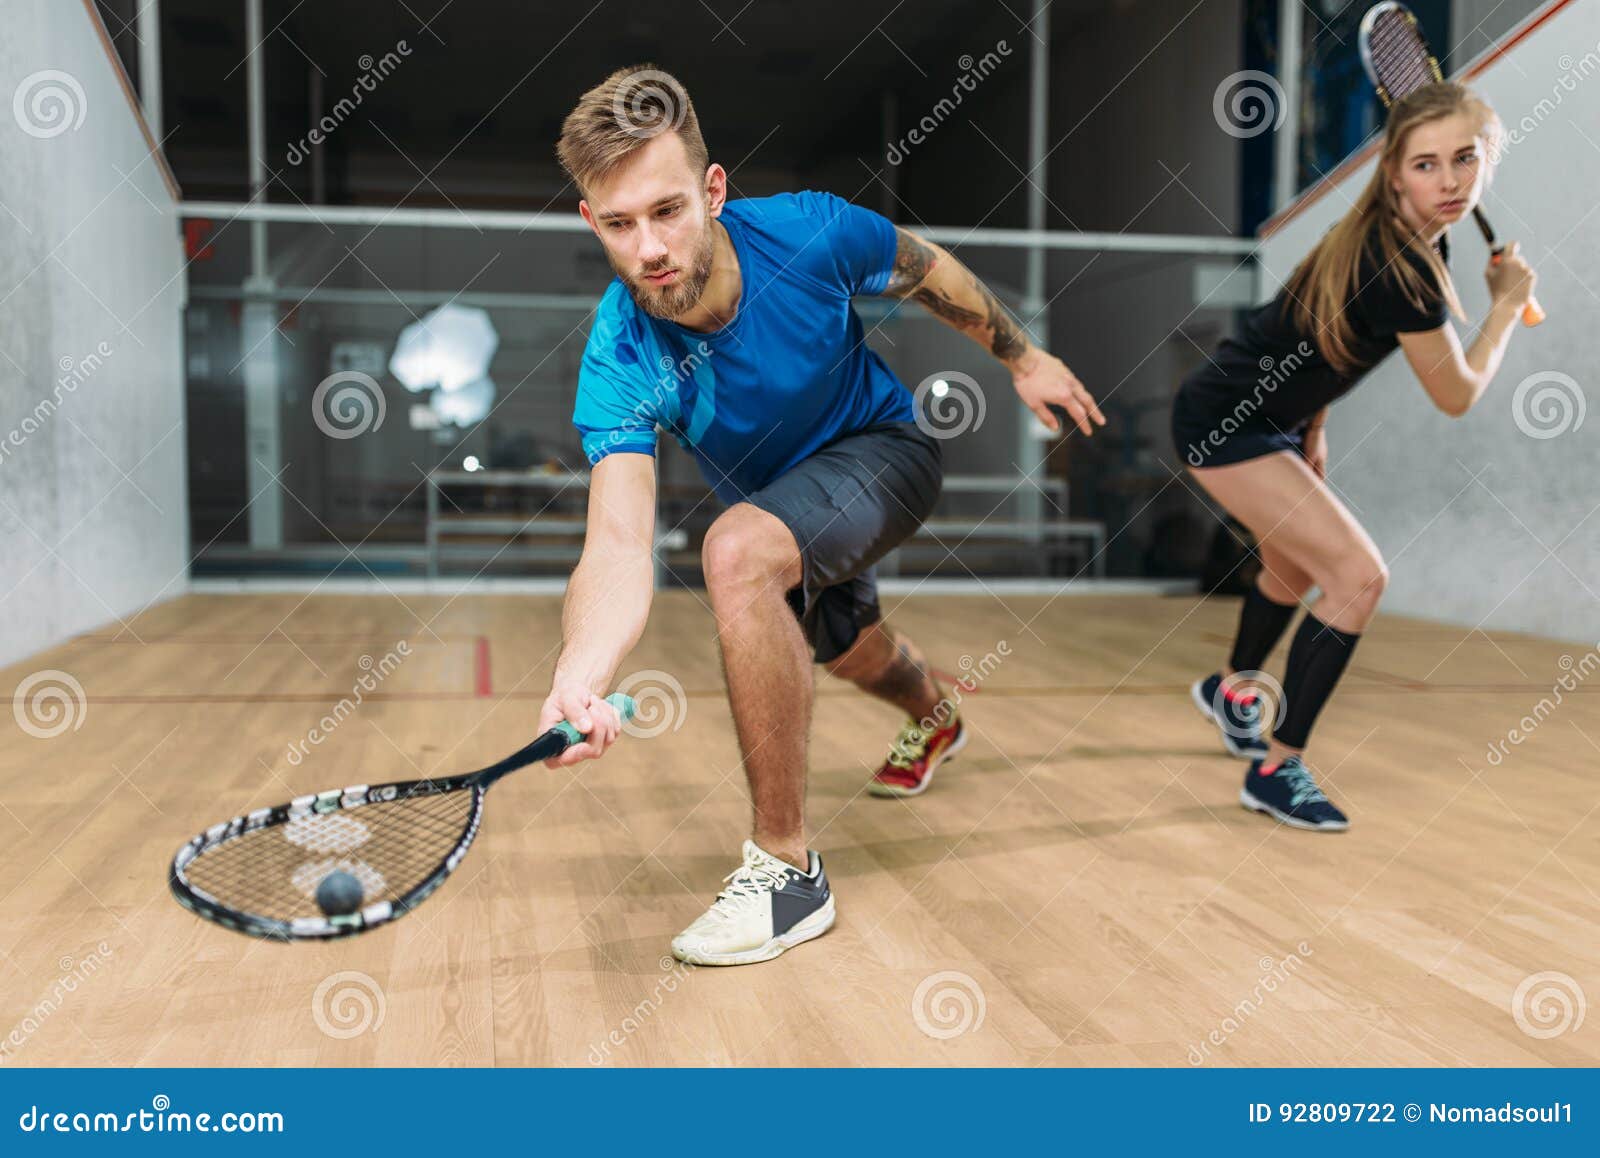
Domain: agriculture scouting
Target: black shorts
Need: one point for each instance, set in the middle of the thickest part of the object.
(1203, 439)
(848, 505)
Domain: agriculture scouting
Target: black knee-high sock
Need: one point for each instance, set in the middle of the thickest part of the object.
(1317, 658)
(1261, 624)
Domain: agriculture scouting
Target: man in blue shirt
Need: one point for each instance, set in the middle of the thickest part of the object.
(729, 326)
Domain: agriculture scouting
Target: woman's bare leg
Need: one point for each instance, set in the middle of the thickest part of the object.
(1303, 527)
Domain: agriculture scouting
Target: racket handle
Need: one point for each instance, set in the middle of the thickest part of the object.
(625, 705)
(1533, 312)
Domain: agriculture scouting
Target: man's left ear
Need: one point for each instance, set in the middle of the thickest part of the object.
(716, 189)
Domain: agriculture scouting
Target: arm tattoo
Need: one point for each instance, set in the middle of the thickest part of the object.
(914, 263)
(1008, 340)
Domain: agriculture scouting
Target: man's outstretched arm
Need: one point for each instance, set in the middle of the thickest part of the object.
(933, 277)
(607, 603)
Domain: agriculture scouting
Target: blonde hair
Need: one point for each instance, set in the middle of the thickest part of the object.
(1327, 279)
(622, 114)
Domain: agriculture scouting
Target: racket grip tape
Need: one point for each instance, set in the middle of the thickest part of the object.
(625, 705)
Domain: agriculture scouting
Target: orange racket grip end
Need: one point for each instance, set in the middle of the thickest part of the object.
(1533, 312)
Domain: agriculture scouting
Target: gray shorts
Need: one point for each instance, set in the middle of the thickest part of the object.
(849, 505)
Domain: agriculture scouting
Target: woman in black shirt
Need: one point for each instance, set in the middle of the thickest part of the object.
(1250, 424)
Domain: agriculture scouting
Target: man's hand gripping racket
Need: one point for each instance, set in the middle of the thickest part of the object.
(350, 859)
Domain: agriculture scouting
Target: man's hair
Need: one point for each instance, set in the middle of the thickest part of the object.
(622, 114)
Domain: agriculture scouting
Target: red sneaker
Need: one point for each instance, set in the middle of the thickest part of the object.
(914, 755)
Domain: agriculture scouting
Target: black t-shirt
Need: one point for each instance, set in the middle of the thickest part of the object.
(1271, 375)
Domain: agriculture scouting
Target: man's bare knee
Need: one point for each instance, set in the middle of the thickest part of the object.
(747, 548)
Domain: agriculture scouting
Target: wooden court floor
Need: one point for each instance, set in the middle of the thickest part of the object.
(1079, 888)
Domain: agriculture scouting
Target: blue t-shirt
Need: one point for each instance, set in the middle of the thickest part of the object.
(790, 373)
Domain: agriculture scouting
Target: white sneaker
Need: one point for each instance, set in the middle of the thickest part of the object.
(768, 906)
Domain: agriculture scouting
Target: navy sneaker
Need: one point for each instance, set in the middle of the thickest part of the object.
(1237, 715)
(1288, 793)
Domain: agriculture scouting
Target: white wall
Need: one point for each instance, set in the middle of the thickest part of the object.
(1468, 511)
(93, 524)
(1476, 25)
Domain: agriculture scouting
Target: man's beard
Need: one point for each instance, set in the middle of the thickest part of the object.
(675, 300)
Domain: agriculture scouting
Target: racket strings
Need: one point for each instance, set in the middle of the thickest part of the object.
(1400, 57)
(391, 847)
